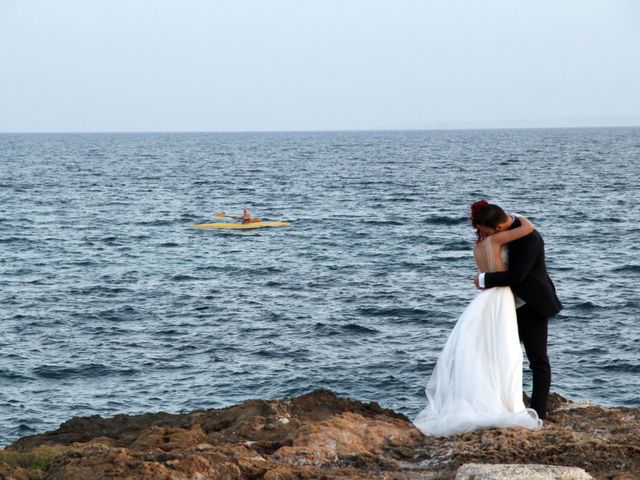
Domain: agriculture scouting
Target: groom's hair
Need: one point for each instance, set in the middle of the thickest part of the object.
(490, 215)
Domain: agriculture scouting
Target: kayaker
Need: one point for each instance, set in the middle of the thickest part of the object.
(246, 216)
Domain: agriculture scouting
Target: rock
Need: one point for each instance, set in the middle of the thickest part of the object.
(167, 438)
(280, 473)
(318, 436)
(346, 435)
(476, 471)
(17, 473)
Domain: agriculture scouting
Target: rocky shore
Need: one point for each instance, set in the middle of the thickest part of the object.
(317, 436)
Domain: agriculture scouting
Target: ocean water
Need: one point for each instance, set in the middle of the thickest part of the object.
(110, 302)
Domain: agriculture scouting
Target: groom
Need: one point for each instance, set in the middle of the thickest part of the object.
(534, 293)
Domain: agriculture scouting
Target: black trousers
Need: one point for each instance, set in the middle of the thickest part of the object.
(533, 328)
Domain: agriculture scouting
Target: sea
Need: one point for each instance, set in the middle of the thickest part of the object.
(112, 302)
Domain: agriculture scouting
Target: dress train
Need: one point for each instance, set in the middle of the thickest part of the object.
(477, 381)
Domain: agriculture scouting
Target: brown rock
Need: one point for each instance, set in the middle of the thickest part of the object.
(280, 473)
(15, 473)
(344, 436)
(167, 438)
(322, 436)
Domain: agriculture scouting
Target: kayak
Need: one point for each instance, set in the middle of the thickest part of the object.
(241, 226)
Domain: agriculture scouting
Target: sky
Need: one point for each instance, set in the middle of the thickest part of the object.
(274, 65)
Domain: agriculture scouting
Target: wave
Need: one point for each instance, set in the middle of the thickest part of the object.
(355, 328)
(392, 312)
(169, 244)
(625, 367)
(445, 220)
(628, 268)
(11, 375)
(92, 370)
(588, 305)
(382, 223)
(99, 290)
(10, 240)
(349, 328)
(585, 351)
(183, 278)
(156, 222)
(263, 270)
(121, 314)
(401, 200)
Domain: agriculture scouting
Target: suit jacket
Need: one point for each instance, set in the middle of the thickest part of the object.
(527, 274)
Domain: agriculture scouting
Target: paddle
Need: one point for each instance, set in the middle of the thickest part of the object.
(222, 215)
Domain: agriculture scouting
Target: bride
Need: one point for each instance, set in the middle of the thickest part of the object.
(477, 381)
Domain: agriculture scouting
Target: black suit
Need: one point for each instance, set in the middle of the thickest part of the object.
(528, 278)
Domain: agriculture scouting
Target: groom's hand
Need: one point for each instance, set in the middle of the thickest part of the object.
(476, 281)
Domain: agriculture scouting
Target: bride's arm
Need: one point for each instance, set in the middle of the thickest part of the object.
(507, 236)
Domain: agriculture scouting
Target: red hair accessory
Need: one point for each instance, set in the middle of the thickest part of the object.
(475, 210)
(476, 207)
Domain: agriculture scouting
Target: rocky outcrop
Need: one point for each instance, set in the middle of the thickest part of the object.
(317, 436)
(474, 471)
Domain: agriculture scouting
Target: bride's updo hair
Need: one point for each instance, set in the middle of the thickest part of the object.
(487, 214)
(475, 210)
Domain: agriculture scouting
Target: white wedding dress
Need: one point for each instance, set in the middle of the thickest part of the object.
(477, 381)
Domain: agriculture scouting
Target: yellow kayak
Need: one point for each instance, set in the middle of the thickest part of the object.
(241, 226)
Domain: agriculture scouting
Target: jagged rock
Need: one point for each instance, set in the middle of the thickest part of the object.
(344, 436)
(17, 473)
(321, 436)
(476, 471)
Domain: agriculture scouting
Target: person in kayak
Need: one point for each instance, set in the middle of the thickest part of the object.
(245, 218)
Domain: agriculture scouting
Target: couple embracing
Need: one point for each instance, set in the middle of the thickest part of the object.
(477, 381)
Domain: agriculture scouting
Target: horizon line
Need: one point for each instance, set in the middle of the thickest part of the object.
(433, 129)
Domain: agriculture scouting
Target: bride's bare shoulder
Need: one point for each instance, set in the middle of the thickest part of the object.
(481, 246)
(482, 243)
